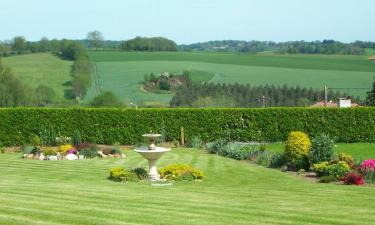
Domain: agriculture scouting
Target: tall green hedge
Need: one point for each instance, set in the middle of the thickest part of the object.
(106, 126)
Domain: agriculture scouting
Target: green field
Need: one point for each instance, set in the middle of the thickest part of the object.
(121, 72)
(41, 68)
(234, 192)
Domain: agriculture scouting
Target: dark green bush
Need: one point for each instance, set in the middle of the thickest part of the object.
(141, 173)
(321, 149)
(327, 179)
(76, 138)
(90, 152)
(106, 126)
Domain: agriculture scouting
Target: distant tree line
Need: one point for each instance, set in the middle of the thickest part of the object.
(149, 44)
(291, 47)
(244, 96)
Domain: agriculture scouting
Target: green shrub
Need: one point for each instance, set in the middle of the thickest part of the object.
(27, 149)
(327, 179)
(181, 172)
(321, 168)
(339, 169)
(297, 148)
(76, 138)
(62, 140)
(346, 158)
(49, 151)
(122, 175)
(277, 160)
(321, 149)
(196, 142)
(265, 158)
(36, 140)
(90, 152)
(335, 169)
(106, 126)
(141, 173)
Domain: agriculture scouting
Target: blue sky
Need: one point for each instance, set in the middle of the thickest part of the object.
(188, 21)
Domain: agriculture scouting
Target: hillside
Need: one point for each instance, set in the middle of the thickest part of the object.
(41, 68)
(121, 72)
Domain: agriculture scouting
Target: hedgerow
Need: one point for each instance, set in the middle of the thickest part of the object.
(107, 126)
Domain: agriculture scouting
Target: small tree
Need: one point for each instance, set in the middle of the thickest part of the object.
(19, 44)
(44, 95)
(96, 39)
(106, 99)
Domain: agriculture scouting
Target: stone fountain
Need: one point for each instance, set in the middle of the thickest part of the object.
(152, 154)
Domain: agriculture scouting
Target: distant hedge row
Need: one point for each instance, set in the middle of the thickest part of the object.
(106, 126)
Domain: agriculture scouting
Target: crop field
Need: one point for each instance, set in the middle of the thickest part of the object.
(233, 192)
(122, 72)
(41, 68)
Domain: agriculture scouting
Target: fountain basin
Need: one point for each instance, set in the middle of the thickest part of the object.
(152, 156)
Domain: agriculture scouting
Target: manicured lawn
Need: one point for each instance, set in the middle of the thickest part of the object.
(359, 151)
(77, 192)
(41, 68)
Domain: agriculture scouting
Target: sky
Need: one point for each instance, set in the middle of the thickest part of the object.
(190, 21)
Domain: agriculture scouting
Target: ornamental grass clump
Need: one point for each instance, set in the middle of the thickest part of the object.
(297, 149)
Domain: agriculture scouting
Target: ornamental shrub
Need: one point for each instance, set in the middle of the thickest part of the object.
(49, 151)
(297, 148)
(346, 158)
(368, 165)
(335, 169)
(76, 138)
(353, 179)
(63, 149)
(339, 169)
(367, 168)
(141, 173)
(327, 179)
(321, 149)
(89, 152)
(181, 172)
(122, 175)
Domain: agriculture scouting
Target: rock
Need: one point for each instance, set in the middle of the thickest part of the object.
(111, 156)
(52, 157)
(41, 156)
(81, 157)
(30, 156)
(71, 157)
(101, 154)
(25, 156)
(123, 155)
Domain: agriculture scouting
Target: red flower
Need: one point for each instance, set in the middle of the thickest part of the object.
(353, 178)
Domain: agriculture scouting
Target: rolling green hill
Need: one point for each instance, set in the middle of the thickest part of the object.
(41, 68)
(121, 72)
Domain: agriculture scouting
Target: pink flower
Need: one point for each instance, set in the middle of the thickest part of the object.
(368, 165)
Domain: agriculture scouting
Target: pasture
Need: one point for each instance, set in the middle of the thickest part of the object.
(233, 192)
(122, 72)
(41, 68)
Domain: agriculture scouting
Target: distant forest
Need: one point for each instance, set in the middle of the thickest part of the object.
(245, 96)
(95, 41)
(291, 47)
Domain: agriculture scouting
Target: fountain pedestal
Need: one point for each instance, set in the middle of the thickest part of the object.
(152, 154)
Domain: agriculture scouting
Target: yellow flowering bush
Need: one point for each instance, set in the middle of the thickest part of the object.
(63, 149)
(181, 172)
(297, 148)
